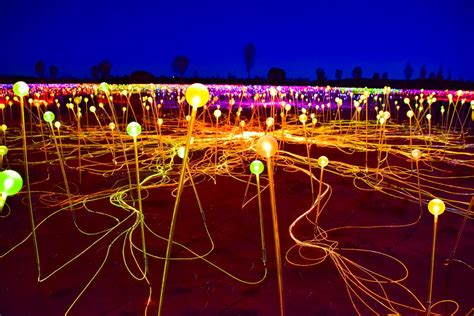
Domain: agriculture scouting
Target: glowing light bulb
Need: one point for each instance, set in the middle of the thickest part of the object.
(436, 207)
(57, 124)
(217, 113)
(273, 92)
(48, 116)
(314, 121)
(112, 125)
(256, 167)
(323, 161)
(386, 115)
(134, 129)
(267, 146)
(303, 118)
(242, 124)
(382, 120)
(180, 152)
(416, 154)
(104, 86)
(287, 107)
(197, 95)
(428, 116)
(21, 89)
(269, 121)
(410, 114)
(4, 128)
(160, 121)
(92, 109)
(406, 101)
(3, 150)
(10, 182)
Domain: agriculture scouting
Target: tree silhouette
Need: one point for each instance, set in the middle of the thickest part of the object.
(180, 65)
(141, 76)
(40, 69)
(384, 76)
(249, 57)
(104, 69)
(376, 76)
(423, 72)
(276, 76)
(357, 73)
(338, 74)
(439, 75)
(320, 75)
(53, 72)
(95, 73)
(408, 71)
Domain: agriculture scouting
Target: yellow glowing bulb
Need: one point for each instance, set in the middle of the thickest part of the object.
(242, 124)
(436, 207)
(92, 109)
(273, 92)
(4, 127)
(406, 101)
(269, 121)
(197, 95)
(428, 116)
(303, 118)
(3, 150)
(57, 124)
(416, 154)
(287, 107)
(410, 114)
(112, 125)
(267, 146)
(323, 161)
(217, 113)
(160, 121)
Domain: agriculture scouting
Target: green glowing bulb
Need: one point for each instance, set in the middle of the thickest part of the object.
(3, 150)
(21, 89)
(104, 86)
(134, 129)
(48, 116)
(256, 167)
(10, 182)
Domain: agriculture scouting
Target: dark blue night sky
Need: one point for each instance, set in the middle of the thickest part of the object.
(298, 36)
